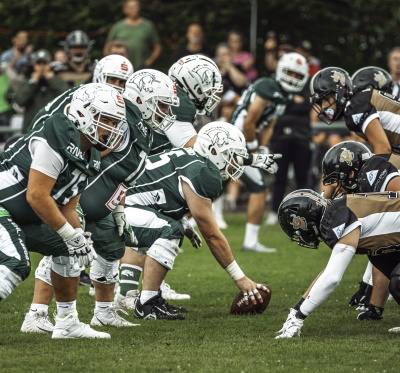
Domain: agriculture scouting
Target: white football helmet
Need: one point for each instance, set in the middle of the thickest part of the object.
(200, 78)
(148, 88)
(115, 66)
(89, 104)
(225, 146)
(292, 62)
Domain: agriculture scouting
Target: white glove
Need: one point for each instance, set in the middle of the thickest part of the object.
(123, 226)
(80, 246)
(263, 150)
(266, 162)
(291, 327)
(190, 233)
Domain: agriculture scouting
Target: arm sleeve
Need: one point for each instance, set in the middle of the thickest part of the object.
(330, 278)
(45, 159)
(180, 133)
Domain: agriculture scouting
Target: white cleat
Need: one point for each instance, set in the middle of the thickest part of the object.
(272, 218)
(109, 316)
(70, 327)
(258, 248)
(171, 294)
(394, 330)
(221, 222)
(292, 315)
(127, 303)
(38, 323)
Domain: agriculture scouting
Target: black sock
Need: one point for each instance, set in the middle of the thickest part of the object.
(297, 306)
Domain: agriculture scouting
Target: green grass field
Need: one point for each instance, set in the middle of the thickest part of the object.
(211, 340)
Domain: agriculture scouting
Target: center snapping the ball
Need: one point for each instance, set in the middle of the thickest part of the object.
(238, 306)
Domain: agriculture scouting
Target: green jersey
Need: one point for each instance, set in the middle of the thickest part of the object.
(63, 137)
(185, 112)
(268, 89)
(119, 169)
(160, 186)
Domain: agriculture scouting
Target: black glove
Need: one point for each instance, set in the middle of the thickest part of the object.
(362, 296)
(372, 313)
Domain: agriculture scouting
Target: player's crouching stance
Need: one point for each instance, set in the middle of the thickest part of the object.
(176, 182)
(42, 176)
(352, 224)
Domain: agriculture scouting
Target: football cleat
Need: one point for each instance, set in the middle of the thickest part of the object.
(126, 303)
(292, 314)
(258, 248)
(84, 279)
(293, 328)
(70, 327)
(109, 316)
(171, 294)
(272, 218)
(394, 330)
(155, 309)
(38, 323)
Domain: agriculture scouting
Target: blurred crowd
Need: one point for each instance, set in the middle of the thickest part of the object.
(31, 77)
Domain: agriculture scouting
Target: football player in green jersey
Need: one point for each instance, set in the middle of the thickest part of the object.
(255, 115)
(175, 183)
(42, 176)
(148, 94)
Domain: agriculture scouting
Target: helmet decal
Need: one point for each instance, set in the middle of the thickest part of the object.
(205, 74)
(144, 82)
(298, 222)
(338, 77)
(346, 156)
(380, 78)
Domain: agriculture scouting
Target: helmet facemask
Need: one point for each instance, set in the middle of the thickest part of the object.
(233, 158)
(158, 119)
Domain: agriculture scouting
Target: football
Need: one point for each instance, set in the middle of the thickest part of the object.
(238, 307)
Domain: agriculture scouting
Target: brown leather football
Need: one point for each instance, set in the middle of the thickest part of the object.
(238, 307)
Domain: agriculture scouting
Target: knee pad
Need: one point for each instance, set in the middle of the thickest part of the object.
(394, 286)
(164, 251)
(8, 281)
(44, 269)
(104, 271)
(61, 266)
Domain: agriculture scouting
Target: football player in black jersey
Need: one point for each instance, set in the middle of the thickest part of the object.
(351, 224)
(367, 109)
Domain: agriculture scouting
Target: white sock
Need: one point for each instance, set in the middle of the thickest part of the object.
(145, 295)
(251, 235)
(367, 278)
(101, 306)
(37, 307)
(65, 308)
(218, 207)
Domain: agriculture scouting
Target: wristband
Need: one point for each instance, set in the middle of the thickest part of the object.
(66, 231)
(252, 145)
(119, 208)
(234, 271)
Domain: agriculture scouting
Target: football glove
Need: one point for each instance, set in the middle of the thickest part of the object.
(80, 248)
(266, 162)
(191, 233)
(292, 328)
(372, 313)
(123, 226)
(362, 296)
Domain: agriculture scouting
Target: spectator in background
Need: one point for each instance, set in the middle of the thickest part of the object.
(42, 87)
(18, 56)
(194, 45)
(140, 35)
(233, 80)
(117, 47)
(245, 59)
(305, 49)
(273, 51)
(393, 61)
(5, 107)
(78, 69)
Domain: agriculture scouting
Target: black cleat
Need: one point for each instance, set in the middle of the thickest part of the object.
(174, 309)
(84, 279)
(155, 309)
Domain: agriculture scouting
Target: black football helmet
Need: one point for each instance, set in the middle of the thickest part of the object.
(77, 39)
(374, 77)
(300, 214)
(338, 163)
(330, 81)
